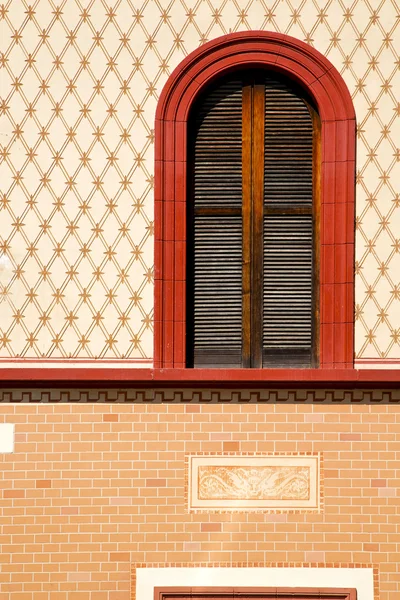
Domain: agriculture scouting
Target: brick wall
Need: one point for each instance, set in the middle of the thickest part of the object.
(90, 489)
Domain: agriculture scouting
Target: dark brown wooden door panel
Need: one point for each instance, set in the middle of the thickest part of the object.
(255, 593)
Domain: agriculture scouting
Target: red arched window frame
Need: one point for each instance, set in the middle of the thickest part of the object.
(323, 82)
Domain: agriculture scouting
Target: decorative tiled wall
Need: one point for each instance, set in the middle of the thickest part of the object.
(79, 86)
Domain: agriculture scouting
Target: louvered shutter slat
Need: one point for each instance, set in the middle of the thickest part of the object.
(287, 328)
(288, 147)
(218, 148)
(218, 291)
(217, 305)
(288, 237)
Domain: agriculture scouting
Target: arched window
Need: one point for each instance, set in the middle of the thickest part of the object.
(254, 208)
(253, 262)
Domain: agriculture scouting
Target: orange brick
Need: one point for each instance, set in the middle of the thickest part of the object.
(14, 494)
(378, 483)
(350, 437)
(69, 510)
(371, 547)
(156, 482)
(331, 473)
(231, 446)
(210, 527)
(110, 418)
(120, 556)
(43, 483)
(78, 576)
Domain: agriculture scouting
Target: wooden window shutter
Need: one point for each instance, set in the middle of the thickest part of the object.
(289, 291)
(217, 233)
(252, 223)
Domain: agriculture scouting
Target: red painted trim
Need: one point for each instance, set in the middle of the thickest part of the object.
(200, 378)
(315, 73)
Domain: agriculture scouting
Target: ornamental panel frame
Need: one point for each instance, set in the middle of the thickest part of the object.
(274, 482)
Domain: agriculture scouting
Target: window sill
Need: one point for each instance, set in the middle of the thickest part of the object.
(58, 377)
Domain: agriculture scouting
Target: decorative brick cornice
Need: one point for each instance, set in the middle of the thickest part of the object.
(194, 398)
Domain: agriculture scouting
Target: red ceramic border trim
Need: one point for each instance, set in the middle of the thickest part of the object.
(315, 73)
(26, 377)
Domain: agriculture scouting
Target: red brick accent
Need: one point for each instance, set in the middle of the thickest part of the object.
(312, 70)
(43, 484)
(231, 446)
(378, 483)
(111, 418)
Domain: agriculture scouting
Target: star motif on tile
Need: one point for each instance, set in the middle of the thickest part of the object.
(84, 341)
(4, 340)
(395, 335)
(18, 317)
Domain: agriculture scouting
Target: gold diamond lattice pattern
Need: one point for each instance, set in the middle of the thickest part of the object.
(80, 81)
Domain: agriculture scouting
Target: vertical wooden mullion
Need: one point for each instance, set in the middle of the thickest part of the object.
(258, 141)
(247, 130)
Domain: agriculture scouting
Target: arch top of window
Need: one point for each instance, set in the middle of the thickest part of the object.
(256, 49)
(253, 75)
(321, 82)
